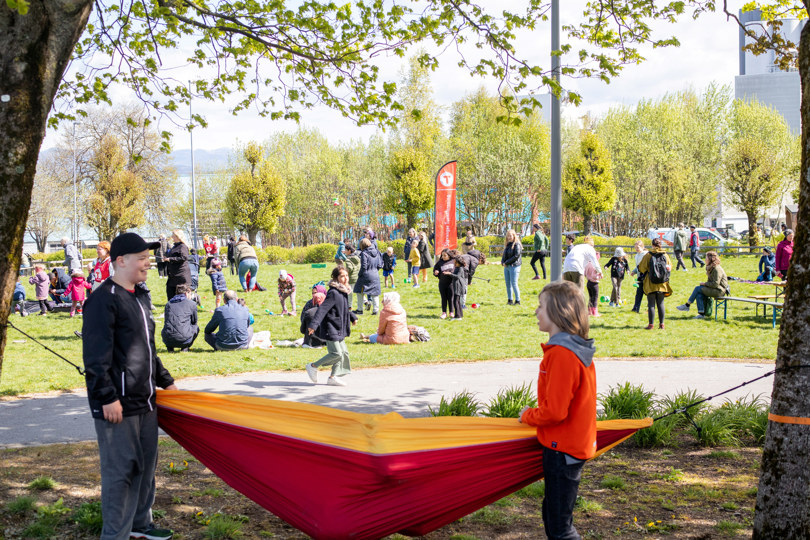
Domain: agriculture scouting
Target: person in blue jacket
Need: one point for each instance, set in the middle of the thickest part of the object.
(19, 298)
(233, 322)
(767, 265)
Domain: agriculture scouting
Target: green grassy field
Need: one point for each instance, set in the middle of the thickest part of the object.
(492, 331)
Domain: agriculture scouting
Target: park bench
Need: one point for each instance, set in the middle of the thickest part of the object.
(766, 298)
(723, 301)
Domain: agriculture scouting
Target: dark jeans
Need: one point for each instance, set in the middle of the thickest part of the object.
(172, 344)
(694, 254)
(232, 264)
(539, 256)
(211, 339)
(593, 293)
(161, 268)
(655, 299)
(679, 256)
(639, 296)
(562, 484)
(698, 298)
(446, 292)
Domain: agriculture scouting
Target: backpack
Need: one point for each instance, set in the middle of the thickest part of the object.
(658, 268)
(418, 333)
(619, 268)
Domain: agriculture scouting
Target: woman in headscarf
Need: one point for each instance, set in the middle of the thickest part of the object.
(393, 326)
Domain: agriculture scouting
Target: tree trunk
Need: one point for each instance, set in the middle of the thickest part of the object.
(783, 498)
(752, 227)
(586, 224)
(252, 233)
(34, 51)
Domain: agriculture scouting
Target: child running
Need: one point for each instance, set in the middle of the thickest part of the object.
(565, 416)
(618, 267)
(77, 290)
(389, 263)
(333, 322)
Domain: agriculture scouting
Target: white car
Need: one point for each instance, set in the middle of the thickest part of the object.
(667, 235)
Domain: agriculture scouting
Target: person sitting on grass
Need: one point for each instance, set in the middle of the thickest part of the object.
(180, 320)
(565, 416)
(59, 284)
(19, 298)
(767, 265)
(311, 341)
(393, 326)
(233, 322)
(716, 286)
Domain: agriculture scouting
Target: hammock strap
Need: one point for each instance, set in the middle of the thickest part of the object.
(80, 370)
(684, 410)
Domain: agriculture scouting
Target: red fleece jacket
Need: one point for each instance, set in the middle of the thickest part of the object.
(565, 415)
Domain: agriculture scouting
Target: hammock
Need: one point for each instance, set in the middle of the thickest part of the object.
(337, 474)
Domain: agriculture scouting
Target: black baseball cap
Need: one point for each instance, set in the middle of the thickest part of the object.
(130, 242)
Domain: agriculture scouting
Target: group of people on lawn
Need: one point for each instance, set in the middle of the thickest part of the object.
(123, 368)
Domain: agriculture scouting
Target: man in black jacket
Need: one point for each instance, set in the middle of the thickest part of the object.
(180, 320)
(122, 374)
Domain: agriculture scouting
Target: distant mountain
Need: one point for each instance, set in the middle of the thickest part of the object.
(203, 160)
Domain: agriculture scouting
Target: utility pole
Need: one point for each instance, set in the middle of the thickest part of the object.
(556, 150)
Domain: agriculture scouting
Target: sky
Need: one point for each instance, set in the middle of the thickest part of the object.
(708, 53)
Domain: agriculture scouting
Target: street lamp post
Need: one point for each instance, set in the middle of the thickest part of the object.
(556, 150)
(193, 182)
(75, 231)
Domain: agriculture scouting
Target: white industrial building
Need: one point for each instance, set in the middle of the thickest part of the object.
(761, 80)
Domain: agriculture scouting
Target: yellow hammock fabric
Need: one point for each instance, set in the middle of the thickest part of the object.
(338, 474)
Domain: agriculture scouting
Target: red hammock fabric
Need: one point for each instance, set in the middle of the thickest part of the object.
(336, 475)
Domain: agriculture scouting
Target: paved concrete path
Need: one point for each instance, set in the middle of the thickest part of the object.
(408, 390)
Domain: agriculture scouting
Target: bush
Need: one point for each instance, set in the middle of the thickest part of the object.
(320, 253)
(42, 483)
(627, 401)
(399, 248)
(462, 404)
(510, 401)
(298, 255)
(658, 434)
(276, 254)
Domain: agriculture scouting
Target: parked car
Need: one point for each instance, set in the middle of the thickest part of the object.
(580, 233)
(668, 235)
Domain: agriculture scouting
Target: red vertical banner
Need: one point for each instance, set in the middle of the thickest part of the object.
(445, 232)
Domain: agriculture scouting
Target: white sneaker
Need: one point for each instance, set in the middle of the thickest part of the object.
(335, 381)
(682, 307)
(312, 371)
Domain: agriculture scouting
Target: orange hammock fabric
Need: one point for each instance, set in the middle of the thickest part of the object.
(337, 474)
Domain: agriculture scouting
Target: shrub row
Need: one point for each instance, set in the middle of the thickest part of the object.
(733, 423)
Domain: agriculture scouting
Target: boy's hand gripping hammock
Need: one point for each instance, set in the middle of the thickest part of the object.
(336, 474)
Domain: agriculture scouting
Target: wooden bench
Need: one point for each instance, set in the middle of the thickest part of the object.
(765, 297)
(723, 301)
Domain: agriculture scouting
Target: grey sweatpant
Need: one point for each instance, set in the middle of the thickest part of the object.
(337, 357)
(128, 455)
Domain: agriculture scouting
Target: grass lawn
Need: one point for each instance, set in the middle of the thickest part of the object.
(492, 331)
(685, 492)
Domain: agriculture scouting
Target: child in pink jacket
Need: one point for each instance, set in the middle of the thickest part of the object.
(40, 281)
(76, 289)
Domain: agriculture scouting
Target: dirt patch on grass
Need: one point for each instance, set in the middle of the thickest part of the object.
(683, 492)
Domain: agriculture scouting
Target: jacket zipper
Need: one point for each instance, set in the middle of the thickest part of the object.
(123, 383)
(148, 346)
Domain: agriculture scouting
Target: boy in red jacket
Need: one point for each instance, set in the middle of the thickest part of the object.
(565, 415)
